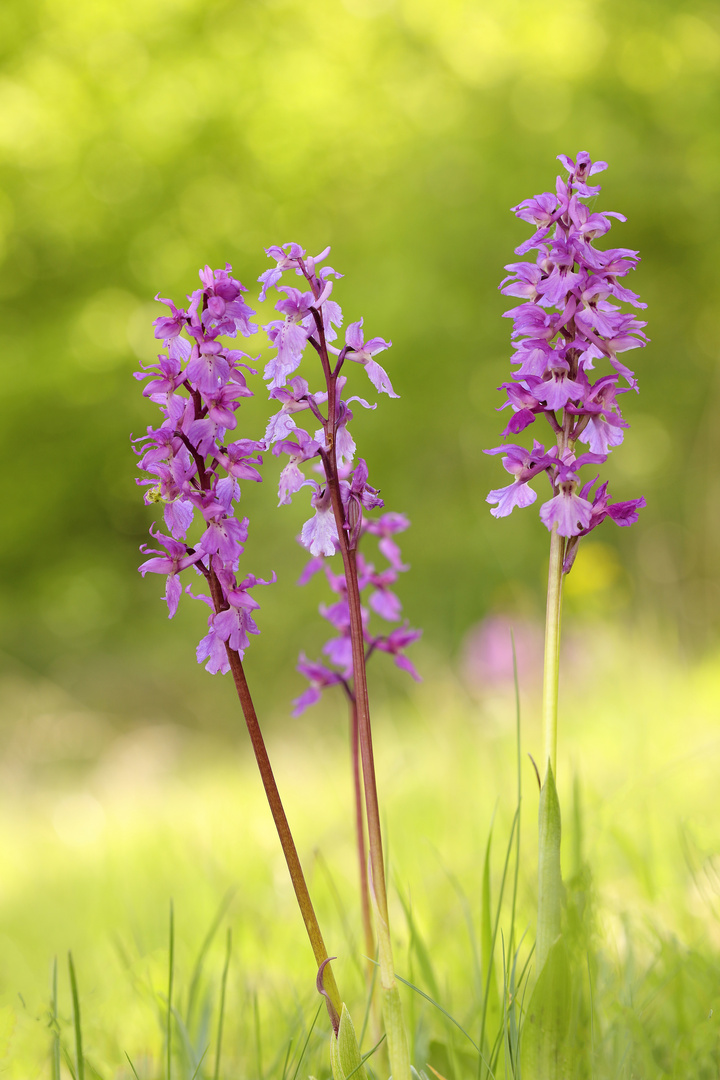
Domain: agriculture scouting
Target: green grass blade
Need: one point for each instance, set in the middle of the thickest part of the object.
(365, 1057)
(440, 1009)
(181, 1032)
(495, 929)
(221, 1016)
(171, 973)
(132, 1066)
(77, 1024)
(287, 1059)
(202, 1058)
(467, 912)
(207, 942)
(54, 1023)
(307, 1040)
(368, 1004)
(348, 934)
(418, 946)
(487, 945)
(258, 1044)
(592, 1020)
(516, 874)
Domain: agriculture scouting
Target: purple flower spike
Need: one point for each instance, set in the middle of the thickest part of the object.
(343, 497)
(198, 385)
(569, 318)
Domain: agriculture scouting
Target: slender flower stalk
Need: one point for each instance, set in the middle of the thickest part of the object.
(551, 670)
(567, 321)
(340, 501)
(365, 904)
(197, 466)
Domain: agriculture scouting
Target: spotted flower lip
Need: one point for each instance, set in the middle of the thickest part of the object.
(567, 322)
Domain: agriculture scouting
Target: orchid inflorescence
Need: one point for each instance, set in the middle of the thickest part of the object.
(198, 385)
(342, 498)
(566, 323)
(197, 466)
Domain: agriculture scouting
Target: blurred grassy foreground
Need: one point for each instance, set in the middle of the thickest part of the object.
(93, 852)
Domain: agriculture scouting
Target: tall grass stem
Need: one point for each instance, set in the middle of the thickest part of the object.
(77, 1023)
(55, 1058)
(171, 976)
(221, 1012)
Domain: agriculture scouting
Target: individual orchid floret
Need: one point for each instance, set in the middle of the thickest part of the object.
(395, 643)
(362, 352)
(177, 557)
(568, 322)
(170, 326)
(319, 677)
(303, 448)
(385, 528)
(296, 399)
(224, 310)
(319, 535)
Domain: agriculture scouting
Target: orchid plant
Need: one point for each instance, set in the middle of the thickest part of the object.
(342, 500)
(569, 320)
(196, 465)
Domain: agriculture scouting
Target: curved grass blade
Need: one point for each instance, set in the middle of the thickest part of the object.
(132, 1066)
(207, 942)
(307, 1040)
(258, 1044)
(55, 1052)
(221, 1017)
(202, 1058)
(371, 991)
(452, 1019)
(171, 972)
(515, 824)
(77, 1025)
(365, 1057)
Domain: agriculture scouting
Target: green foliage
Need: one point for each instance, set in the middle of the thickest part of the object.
(644, 970)
(139, 141)
(344, 1051)
(550, 885)
(544, 1053)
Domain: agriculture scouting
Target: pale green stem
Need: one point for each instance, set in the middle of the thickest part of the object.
(552, 653)
(549, 872)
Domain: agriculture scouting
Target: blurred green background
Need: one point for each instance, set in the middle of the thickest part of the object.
(140, 140)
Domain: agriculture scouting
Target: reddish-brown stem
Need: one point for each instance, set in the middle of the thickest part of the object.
(326, 979)
(362, 704)
(360, 835)
(330, 989)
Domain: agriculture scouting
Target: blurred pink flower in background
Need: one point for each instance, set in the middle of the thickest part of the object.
(487, 653)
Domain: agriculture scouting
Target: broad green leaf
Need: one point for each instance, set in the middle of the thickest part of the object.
(550, 886)
(543, 1051)
(345, 1056)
